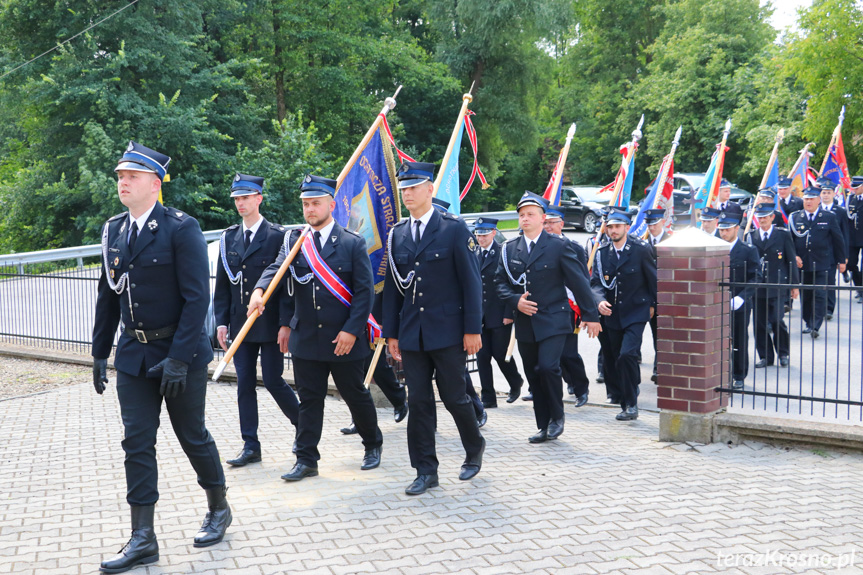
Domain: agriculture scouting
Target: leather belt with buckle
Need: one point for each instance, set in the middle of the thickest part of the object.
(146, 336)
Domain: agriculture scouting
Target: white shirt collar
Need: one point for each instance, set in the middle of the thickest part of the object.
(424, 219)
(768, 231)
(254, 227)
(734, 243)
(829, 208)
(657, 239)
(325, 231)
(142, 221)
(534, 239)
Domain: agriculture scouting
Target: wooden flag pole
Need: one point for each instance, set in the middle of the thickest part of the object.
(618, 188)
(250, 321)
(379, 347)
(774, 155)
(802, 155)
(389, 104)
(720, 161)
(466, 99)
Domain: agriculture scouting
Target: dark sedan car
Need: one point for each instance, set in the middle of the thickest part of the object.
(582, 206)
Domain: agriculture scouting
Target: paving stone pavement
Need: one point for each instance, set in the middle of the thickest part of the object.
(607, 497)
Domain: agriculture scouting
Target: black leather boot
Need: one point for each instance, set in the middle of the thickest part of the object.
(142, 548)
(217, 520)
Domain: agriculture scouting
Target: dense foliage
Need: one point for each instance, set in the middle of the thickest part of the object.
(279, 88)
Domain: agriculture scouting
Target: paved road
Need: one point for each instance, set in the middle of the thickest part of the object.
(605, 498)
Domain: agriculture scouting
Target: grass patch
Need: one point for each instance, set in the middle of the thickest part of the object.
(507, 225)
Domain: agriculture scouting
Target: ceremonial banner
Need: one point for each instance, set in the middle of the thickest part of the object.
(836, 167)
(552, 190)
(627, 169)
(800, 175)
(450, 188)
(656, 199)
(366, 201)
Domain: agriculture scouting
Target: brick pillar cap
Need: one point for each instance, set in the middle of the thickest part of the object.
(693, 238)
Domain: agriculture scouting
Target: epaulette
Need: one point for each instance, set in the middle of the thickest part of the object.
(277, 227)
(449, 216)
(118, 216)
(234, 227)
(353, 233)
(561, 238)
(175, 213)
(401, 222)
(639, 241)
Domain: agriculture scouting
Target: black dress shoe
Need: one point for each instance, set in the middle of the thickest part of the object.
(783, 361)
(814, 334)
(570, 389)
(807, 329)
(828, 317)
(142, 548)
(555, 428)
(350, 430)
(371, 459)
(300, 471)
(737, 384)
(422, 484)
(539, 437)
(488, 404)
(600, 379)
(528, 397)
(513, 395)
(581, 400)
(482, 419)
(217, 520)
(763, 363)
(399, 413)
(472, 465)
(628, 414)
(294, 447)
(244, 457)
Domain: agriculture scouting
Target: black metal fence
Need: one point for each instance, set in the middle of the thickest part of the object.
(812, 371)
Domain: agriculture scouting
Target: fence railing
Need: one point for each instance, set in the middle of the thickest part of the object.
(822, 376)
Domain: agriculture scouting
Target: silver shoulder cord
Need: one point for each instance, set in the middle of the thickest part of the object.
(794, 229)
(401, 283)
(122, 283)
(598, 263)
(234, 279)
(300, 280)
(522, 279)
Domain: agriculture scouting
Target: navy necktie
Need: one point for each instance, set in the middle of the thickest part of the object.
(417, 232)
(133, 237)
(247, 240)
(318, 241)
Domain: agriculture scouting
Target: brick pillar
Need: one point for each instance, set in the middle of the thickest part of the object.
(692, 351)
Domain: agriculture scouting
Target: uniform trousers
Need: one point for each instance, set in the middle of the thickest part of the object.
(771, 333)
(541, 360)
(446, 367)
(854, 265)
(385, 378)
(572, 366)
(272, 367)
(654, 329)
(740, 342)
(140, 406)
(831, 294)
(620, 348)
(494, 344)
(470, 390)
(814, 300)
(311, 378)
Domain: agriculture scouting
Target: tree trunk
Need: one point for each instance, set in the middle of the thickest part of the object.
(281, 112)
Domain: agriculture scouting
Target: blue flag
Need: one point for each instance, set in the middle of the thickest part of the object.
(366, 202)
(450, 188)
(638, 227)
(773, 180)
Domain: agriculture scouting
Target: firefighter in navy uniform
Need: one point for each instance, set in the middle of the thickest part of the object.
(625, 275)
(497, 318)
(571, 362)
(326, 336)
(155, 280)
(433, 321)
(655, 220)
(855, 238)
(790, 203)
(245, 251)
(709, 220)
(820, 248)
(744, 266)
(775, 247)
(828, 203)
(534, 271)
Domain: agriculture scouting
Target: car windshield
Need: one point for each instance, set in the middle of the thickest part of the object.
(589, 194)
(695, 179)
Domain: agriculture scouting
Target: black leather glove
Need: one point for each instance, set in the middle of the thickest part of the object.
(173, 373)
(100, 377)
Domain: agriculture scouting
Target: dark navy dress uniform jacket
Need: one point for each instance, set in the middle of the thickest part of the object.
(230, 301)
(316, 316)
(494, 309)
(169, 284)
(634, 291)
(552, 264)
(444, 302)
